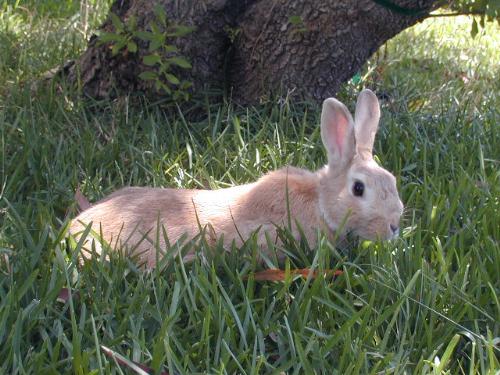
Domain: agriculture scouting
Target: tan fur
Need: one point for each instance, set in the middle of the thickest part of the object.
(130, 217)
(234, 213)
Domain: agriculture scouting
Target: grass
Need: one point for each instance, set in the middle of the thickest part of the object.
(426, 303)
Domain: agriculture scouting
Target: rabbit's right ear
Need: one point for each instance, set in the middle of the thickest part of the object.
(337, 133)
(367, 116)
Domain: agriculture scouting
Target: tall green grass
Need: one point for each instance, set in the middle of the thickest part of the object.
(426, 303)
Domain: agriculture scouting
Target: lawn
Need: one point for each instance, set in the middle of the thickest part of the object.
(425, 303)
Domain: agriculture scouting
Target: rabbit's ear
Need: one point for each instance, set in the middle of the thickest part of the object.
(337, 132)
(366, 117)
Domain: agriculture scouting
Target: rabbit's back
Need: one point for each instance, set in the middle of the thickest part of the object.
(133, 215)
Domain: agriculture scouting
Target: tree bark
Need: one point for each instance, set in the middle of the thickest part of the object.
(253, 47)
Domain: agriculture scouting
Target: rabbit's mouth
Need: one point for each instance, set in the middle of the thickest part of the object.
(394, 232)
(383, 232)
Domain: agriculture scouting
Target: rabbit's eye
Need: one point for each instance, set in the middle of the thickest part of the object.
(358, 188)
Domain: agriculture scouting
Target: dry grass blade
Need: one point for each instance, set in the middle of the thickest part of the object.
(134, 366)
(5, 265)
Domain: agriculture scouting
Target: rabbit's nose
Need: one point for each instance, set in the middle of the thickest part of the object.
(395, 229)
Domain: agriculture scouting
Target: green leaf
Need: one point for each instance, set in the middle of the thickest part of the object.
(161, 86)
(117, 23)
(172, 79)
(132, 23)
(180, 31)
(148, 76)
(110, 37)
(474, 29)
(180, 61)
(118, 46)
(295, 20)
(158, 41)
(155, 28)
(132, 46)
(356, 79)
(144, 35)
(177, 95)
(151, 60)
(164, 67)
(448, 353)
(185, 85)
(168, 48)
(160, 14)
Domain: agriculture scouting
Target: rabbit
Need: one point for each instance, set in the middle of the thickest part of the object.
(352, 193)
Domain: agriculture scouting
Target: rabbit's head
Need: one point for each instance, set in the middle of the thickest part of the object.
(355, 193)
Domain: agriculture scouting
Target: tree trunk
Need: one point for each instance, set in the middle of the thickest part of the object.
(250, 47)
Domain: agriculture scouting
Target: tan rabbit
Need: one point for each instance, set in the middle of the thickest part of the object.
(351, 192)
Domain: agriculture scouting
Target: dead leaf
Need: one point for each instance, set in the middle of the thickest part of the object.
(82, 202)
(65, 294)
(465, 79)
(279, 275)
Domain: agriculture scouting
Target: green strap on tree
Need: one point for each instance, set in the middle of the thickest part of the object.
(398, 9)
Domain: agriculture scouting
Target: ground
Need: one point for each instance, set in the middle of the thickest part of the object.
(426, 303)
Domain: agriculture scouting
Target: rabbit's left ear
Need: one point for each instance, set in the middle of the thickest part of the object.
(366, 121)
(337, 133)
